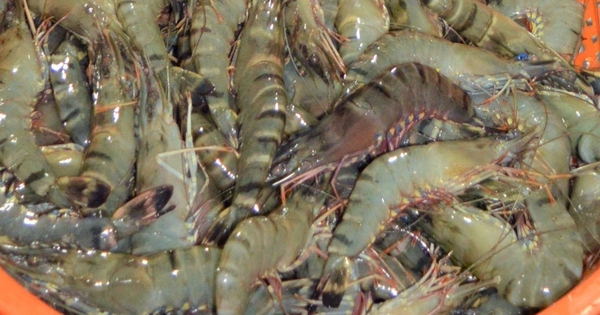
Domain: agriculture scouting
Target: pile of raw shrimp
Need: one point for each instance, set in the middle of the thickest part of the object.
(298, 156)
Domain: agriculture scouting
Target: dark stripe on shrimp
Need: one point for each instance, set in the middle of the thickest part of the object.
(342, 238)
(421, 71)
(383, 90)
(173, 259)
(250, 186)
(74, 113)
(99, 155)
(3, 141)
(469, 21)
(97, 237)
(272, 113)
(35, 177)
(270, 76)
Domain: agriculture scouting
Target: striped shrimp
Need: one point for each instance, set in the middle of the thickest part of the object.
(489, 29)
(106, 180)
(537, 264)
(212, 34)
(96, 281)
(558, 25)
(261, 99)
(71, 92)
(23, 227)
(362, 122)
(160, 160)
(22, 78)
(361, 22)
(405, 183)
(310, 41)
(457, 62)
(264, 244)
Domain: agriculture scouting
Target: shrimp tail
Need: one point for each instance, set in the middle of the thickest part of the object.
(84, 191)
(336, 276)
(142, 210)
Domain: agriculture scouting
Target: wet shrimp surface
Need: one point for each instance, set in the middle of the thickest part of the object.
(297, 157)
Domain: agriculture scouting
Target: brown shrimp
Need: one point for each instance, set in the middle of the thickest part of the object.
(363, 121)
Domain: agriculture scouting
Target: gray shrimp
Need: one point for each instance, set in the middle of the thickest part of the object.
(106, 180)
(558, 25)
(128, 284)
(162, 158)
(384, 189)
(360, 23)
(455, 61)
(258, 241)
(212, 34)
(489, 29)
(363, 120)
(536, 265)
(261, 100)
(71, 92)
(583, 125)
(22, 78)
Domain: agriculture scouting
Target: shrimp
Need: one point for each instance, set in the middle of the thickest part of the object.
(435, 293)
(558, 25)
(71, 92)
(583, 125)
(212, 33)
(265, 244)
(536, 267)
(261, 100)
(22, 78)
(457, 62)
(362, 121)
(106, 180)
(489, 29)
(361, 22)
(445, 174)
(25, 228)
(160, 160)
(127, 284)
(310, 41)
